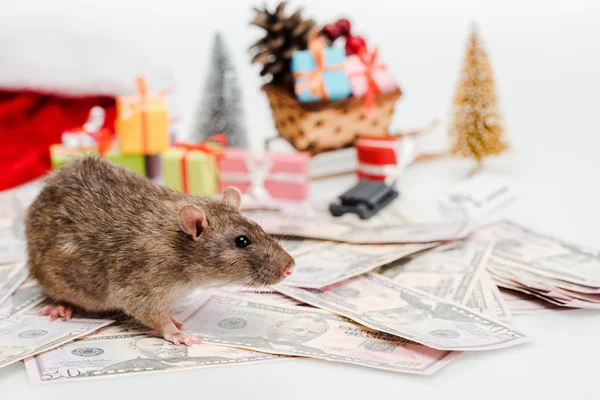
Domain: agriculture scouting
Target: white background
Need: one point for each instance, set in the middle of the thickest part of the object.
(546, 59)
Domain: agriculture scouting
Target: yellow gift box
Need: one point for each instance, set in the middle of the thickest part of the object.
(142, 122)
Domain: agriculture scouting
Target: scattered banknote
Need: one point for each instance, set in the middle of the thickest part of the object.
(544, 255)
(124, 353)
(11, 277)
(453, 272)
(523, 304)
(504, 283)
(503, 312)
(322, 263)
(121, 328)
(308, 332)
(544, 266)
(379, 303)
(542, 287)
(27, 296)
(271, 298)
(21, 338)
(358, 232)
(394, 213)
(450, 273)
(487, 300)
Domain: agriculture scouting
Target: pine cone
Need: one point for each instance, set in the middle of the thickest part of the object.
(284, 35)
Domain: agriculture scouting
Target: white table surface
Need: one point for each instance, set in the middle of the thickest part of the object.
(559, 199)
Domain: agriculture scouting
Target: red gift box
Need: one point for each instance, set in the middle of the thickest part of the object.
(381, 158)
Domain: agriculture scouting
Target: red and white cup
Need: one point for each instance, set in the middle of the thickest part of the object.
(383, 158)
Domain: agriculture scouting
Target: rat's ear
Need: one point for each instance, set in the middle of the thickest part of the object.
(192, 221)
(233, 197)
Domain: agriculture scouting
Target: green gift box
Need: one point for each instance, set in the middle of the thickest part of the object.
(60, 155)
(134, 162)
(189, 171)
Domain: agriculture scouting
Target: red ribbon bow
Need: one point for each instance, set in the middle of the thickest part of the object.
(368, 60)
(212, 145)
(142, 87)
(314, 79)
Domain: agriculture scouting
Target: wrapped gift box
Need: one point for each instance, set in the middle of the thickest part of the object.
(319, 73)
(368, 74)
(284, 176)
(60, 154)
(189, 171)
(134, 162)
(78, 139)
(142, 123)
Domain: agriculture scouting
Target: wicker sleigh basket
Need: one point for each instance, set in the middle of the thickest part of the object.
(325, 126)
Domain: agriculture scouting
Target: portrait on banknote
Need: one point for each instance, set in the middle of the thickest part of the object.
(156, 354)
(416, 310)
(290, 333)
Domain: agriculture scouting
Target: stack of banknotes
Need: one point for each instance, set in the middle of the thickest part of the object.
(384, 293)
(548, 268)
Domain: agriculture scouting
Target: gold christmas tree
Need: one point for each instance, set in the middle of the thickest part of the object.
(476, 128)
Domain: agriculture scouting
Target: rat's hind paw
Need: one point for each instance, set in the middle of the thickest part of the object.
(183, 338)
(63, 311)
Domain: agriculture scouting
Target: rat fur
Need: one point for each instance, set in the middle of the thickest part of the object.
(103, 238)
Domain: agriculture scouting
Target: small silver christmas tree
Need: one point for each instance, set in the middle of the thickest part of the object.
(221, 107)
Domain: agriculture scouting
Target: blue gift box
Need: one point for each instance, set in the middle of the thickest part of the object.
(333, 79)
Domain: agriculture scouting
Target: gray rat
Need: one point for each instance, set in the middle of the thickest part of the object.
(102, 238)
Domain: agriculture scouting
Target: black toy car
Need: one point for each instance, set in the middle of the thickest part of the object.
(365, 198)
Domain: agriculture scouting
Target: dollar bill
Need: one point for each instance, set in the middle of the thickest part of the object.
(482, 301)
(21, 338)
(271, 298)
(380, 303)
(27, 296)
(512, 285)
(11, 277)
(543, 255)
(308, 332)
(319, 264)
(523, 304)
(486, 299)
(450, 273)
(352, 231)
(500, 266)
(551, 296)
(124, 354)
(546, 287)
(502, 310)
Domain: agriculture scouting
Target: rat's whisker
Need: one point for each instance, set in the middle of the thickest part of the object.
(234, 280)
(249, 284)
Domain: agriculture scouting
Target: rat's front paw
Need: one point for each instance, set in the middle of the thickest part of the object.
(65, 312)
(183, 338)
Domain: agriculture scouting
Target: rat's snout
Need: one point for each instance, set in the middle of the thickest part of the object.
(288, 269)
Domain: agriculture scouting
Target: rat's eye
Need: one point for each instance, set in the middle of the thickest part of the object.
(242, 241)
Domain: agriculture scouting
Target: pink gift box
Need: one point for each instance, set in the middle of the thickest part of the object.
(356, 68)
(285, 174)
